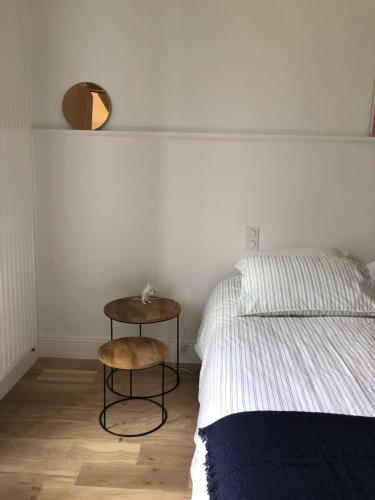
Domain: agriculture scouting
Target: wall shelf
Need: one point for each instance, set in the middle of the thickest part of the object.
(206, 135)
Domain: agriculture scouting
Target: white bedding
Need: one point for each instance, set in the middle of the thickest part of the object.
(314, 364)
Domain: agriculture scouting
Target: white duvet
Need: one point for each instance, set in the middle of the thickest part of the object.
(315, 364)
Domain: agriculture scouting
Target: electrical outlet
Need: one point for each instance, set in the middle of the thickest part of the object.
(251, 240)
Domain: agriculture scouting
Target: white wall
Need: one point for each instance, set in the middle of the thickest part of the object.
(114, 210)
(290, 65)
(18, 324)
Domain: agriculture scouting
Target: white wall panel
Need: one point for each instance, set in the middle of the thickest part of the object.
(18, 321)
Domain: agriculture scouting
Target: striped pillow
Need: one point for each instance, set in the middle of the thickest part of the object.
(279, 285)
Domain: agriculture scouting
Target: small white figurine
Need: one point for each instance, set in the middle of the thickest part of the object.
(147, 293)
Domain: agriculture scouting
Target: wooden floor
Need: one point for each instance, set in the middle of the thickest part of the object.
(52, 447)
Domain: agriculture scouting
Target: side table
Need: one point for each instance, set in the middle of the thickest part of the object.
(133, 311)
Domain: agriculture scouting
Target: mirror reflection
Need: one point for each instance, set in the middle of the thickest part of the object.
(86, 106)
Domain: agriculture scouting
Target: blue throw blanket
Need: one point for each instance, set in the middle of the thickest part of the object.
(289, 456)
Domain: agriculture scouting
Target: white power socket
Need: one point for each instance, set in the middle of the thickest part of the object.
(251, 240)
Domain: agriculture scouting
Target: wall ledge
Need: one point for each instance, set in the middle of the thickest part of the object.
(206, 135)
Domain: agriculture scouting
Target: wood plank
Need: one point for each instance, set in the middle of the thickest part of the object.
(67, 364)
(16, 489)
(27, 454)
(169, 455)
(50, 429)
(33, 392)
(44, 412)
(134, 477)
(91, 430)
(21, 486)
(70, 376)
(104, 450)
(49, 456)
(61, 492)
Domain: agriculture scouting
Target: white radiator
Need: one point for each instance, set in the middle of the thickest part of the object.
(18, 319)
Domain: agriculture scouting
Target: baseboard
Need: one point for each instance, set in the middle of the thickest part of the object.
(87, 348)
(18, 371)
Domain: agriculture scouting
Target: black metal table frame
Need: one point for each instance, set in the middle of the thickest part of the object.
(130, 397)
(176, 370)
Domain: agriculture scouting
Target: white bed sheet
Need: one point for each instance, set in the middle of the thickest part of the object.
(321, 364)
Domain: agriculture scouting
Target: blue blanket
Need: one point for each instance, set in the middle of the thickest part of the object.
(290, 455)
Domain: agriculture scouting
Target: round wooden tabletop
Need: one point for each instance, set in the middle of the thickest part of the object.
(132, 353)
(133, 310)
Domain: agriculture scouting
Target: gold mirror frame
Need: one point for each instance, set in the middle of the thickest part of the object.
(86, 106)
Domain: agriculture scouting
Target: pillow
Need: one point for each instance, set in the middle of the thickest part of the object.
(279, 285)
(334, 252)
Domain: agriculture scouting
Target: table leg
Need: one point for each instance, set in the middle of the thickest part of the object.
(104, 395)
(131, 383)
(140, 329)
(162, 390)
(178, 350)
(112, 368)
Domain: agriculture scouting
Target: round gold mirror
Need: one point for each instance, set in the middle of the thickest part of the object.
(86, 106)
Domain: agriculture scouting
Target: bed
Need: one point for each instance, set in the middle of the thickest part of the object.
(286, 364)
